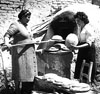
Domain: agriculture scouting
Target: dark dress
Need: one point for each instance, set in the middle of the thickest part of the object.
(87, 53)
(87, 35)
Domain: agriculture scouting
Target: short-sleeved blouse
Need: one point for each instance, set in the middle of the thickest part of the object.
(87, 34)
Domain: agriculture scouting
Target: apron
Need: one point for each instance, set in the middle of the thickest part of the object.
(24, 62)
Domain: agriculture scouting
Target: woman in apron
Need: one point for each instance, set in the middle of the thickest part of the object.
(24, 62)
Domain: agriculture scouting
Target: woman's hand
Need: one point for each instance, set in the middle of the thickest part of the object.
(90, 40)
(8, 45)
(7, 42)
(40, 51)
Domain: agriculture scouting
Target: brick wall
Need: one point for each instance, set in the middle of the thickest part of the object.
(8, 12)
(40, 9)
(9, 9)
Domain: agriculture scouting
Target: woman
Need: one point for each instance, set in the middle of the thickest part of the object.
(24, 62)
(86, 35)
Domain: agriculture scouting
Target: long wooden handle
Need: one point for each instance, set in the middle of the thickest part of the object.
(37, 42)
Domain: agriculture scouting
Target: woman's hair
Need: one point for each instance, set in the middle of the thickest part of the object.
(82, 16)
(24, 12)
